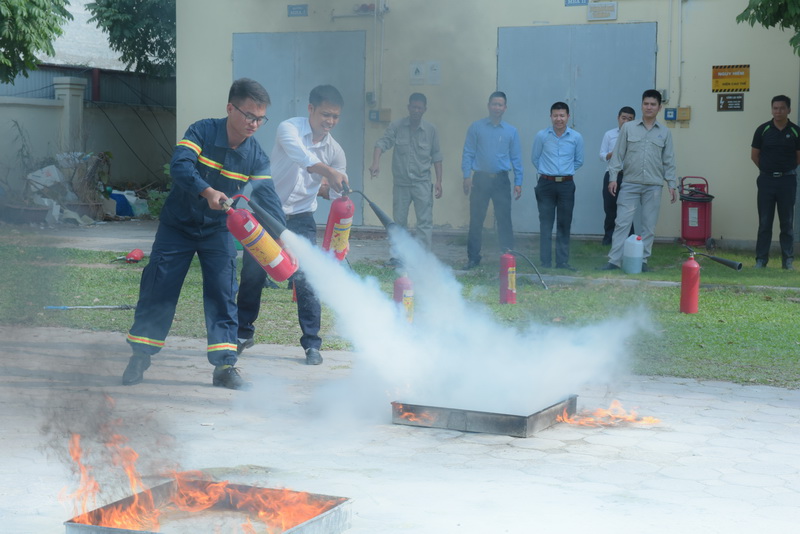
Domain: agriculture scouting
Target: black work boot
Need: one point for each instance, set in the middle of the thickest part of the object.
(134, 373)
(313, 357)
(228, 376)
(244, 344)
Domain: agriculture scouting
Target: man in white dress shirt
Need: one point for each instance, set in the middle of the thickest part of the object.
(306, 162)
(626, 114)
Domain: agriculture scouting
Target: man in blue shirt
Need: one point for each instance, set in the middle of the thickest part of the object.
(491, 151)
(557, 153)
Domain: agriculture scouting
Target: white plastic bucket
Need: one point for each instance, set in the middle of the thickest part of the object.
(632, 254)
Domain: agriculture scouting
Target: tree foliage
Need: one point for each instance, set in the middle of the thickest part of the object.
(785, 14)
(142, 31)
(28, 27)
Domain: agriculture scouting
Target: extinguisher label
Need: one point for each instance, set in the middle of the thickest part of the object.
(249, 225)
(340, 240)
(408, 304)
(512, 279)
(263, 248)
(693, 217)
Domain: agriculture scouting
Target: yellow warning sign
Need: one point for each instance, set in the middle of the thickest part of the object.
(730, 78)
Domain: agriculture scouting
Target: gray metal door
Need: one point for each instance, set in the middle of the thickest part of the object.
(289, 65)
(596, 69)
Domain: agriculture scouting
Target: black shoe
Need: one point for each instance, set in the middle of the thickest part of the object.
(787, 264)
(313, 357)
(394, 263)
(471, 264)
(228, 376)
(606, 242)
(608, 267)
(760, 264)
(566, 266)
(546, 265)
(137, 365)
(645, 268)
(246, 344)
(269, 284)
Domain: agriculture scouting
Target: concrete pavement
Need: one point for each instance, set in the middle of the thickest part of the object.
(723, 458)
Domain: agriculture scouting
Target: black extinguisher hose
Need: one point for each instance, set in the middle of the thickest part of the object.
(521, 255)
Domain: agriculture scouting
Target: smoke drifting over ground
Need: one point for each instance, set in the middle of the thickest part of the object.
(454, 354)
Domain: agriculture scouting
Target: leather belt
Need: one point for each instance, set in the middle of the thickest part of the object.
(296, 215)
(556, 178)
(780, 174)
(501, 174)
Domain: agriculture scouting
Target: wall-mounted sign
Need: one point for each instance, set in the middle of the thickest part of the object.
(298, 10)
(570, 3)
(602, 11)
(425, 73)
(730, 78)
(730, 102)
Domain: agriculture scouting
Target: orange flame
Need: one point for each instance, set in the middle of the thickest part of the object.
(278, 509)
(613, 416)
(415, 417)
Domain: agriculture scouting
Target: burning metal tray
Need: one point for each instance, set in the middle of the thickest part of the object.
(520, 426)
(334, 520)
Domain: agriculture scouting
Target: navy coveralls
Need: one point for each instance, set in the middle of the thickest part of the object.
(188, 226)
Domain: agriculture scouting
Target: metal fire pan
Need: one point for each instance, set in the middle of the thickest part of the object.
(520, 426)
(333, 521)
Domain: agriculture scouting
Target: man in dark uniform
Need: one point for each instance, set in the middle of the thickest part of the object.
(213, 161)
(776, 153)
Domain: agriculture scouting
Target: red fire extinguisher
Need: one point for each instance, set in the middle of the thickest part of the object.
(265, 250)
(337, 231)
(404, 294)
(690, 285)
(508, 278)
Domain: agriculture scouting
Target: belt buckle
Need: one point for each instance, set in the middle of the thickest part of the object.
(558, 178)
(777, 174)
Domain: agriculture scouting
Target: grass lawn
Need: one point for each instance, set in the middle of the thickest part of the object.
(746, 332)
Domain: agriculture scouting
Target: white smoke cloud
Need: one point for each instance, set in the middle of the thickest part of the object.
(454, 354)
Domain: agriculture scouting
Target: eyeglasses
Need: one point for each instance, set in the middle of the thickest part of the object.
(249, 117)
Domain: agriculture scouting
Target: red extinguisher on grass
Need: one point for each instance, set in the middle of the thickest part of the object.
(508, 278)
(690, 279)
(255, 240)
(404, 295)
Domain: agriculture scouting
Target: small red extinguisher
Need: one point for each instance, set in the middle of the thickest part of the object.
(404, 295)
(337, 231)
(690, 285)
(265, 250)
(508, 278)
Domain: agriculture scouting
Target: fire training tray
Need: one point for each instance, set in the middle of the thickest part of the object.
(332, 521)
(520, 426)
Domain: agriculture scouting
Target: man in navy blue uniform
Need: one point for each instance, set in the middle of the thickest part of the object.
(213, 161)
(776, 152)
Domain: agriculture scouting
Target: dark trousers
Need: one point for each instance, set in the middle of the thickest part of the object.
(610, 209)
(496, 188)
(555, 201)
(309, 310)
(161, 283)
(775, 193)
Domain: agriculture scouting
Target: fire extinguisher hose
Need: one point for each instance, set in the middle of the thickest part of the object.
(521, 255)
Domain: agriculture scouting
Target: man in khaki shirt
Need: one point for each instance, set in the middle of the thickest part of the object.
(645, 154)
(416, 147)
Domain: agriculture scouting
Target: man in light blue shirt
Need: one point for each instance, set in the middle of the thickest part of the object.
(557, 153)
(491, 150)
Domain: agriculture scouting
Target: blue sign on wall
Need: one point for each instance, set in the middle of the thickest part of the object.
(569, 3)
(298, 10)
